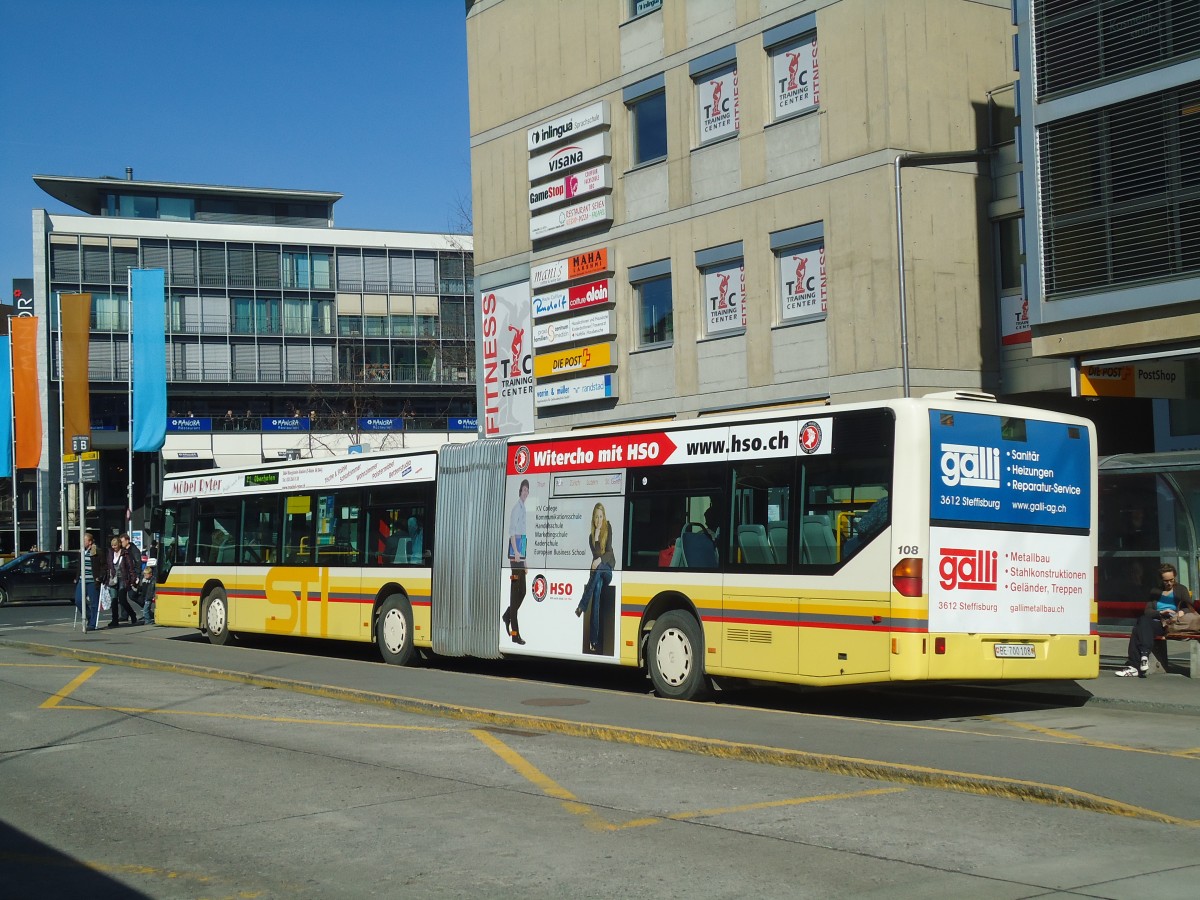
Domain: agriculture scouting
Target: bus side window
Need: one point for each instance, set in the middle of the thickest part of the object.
(217, 529)
(761, 513)
(845, 507)
(298, 525)
(260, 530)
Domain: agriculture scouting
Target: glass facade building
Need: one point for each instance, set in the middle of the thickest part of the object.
(271, 314)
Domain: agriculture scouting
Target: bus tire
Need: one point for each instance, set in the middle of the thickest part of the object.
(675, 657)
(216, 617)
(394, 630)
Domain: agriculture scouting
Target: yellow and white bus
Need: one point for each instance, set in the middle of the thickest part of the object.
(948, 537)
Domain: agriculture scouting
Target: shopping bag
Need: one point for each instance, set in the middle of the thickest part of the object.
(105, 598)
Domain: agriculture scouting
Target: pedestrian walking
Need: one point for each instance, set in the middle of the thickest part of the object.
(94, 574)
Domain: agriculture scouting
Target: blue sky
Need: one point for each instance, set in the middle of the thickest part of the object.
(364, 97)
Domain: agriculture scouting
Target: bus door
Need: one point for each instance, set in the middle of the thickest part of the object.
(315, 592)
(761, 600)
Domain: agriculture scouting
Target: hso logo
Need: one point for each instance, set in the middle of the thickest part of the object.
(967, 570)
(521, 459)
(970, 466)
(539, 588)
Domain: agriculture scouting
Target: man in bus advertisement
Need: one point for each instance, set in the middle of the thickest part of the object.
(574, 523)
(516, 547)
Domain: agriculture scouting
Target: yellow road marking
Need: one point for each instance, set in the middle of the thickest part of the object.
(74, 683)
(525, 769)
(572, 804)
(765, 804)
(795, 801)
(1091, 742)
(38, 666)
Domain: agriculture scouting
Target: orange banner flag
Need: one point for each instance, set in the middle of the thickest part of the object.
(75, 312)
(27, 406)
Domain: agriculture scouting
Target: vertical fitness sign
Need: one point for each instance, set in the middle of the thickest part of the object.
(507, 351)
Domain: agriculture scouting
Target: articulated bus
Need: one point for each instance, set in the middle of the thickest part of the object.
(948, 537)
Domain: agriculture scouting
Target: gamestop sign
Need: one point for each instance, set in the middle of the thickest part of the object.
(577, 184)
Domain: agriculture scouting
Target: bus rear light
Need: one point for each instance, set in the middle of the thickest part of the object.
(907, 577)
(939, 646)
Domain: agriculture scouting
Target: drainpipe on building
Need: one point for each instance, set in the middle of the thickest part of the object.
(917, 159)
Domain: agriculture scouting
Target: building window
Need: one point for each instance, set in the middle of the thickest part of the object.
(723, 289)
(795, 82)
(321, 268)
(295, 268)
(801, 273)
(1088, 41)
(243, 315)
(296, 316)
(267, 315)
(716, 79)
(647, 104)
(1119, 193)
(652, 287)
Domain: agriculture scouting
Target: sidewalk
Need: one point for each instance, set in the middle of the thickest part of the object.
(1166, 692)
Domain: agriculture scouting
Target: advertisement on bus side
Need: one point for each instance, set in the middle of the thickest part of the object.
(1010, 507)
(560, 576)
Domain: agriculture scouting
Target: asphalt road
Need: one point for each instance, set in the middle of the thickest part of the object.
(143, 762)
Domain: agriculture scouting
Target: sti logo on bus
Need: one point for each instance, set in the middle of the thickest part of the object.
(967, 570)
(810, 437)
(969, 466)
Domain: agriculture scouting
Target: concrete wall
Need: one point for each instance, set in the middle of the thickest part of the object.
(896, 77)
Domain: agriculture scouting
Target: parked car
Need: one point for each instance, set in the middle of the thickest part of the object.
(40, 577)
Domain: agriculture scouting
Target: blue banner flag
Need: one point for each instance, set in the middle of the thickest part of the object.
(6, 408)
(148, 363)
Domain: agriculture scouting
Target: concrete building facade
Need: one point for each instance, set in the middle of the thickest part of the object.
(752, 190)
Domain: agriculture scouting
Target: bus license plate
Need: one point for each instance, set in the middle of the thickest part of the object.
(1015, 651)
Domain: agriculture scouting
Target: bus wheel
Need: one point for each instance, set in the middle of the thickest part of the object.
(394, 630)
(676, 657)
(216, 617)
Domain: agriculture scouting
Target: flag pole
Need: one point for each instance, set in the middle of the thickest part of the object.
(64, 488)
(129, 296)
(16, 520)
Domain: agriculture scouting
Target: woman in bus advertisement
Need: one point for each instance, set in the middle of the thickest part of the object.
(603, 560)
